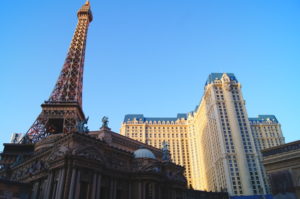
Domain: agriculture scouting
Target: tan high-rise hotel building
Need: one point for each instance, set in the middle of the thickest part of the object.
(217, 143)
(267, 133)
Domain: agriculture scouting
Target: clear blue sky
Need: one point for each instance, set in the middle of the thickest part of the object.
(151, 57)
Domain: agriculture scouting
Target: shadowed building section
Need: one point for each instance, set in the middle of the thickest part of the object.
(15, 190)
(282, 164)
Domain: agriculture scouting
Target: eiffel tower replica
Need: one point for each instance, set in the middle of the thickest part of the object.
(62, 112)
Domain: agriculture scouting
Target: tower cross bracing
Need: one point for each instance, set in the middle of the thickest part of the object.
(63, 111)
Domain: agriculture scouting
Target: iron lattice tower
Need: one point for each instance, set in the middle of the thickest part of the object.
(63, 111)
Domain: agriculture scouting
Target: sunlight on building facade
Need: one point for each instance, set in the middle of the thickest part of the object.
(217, 143)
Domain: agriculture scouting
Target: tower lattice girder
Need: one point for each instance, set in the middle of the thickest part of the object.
(68, 87)
(63, 111)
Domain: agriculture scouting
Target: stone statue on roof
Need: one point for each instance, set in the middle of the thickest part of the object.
(105, 122)
(82, 126)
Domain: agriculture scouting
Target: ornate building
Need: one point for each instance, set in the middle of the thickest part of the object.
(217, 143)
(266, 131)
(60, 158)
(98, 164)
(154, 131)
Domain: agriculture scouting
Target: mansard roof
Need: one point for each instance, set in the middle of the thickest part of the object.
(214, 76)
(140, 117)
(263, 118)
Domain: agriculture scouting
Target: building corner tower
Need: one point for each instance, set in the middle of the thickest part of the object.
(227, 147)
(62, 112)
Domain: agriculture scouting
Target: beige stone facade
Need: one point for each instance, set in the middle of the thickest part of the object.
(226, 143)
(267, 133)
(154, 131)
(217, 143)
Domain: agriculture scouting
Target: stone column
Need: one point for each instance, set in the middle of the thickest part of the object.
(129, 190)
(112, 189)
(48, 186)
(98, 192)
(143, 190)
(158, 190)
(140, 189)
(67, 178)
(175, 194)
(60, 183)
(73, 184)
(153, 190)
(77, 185)
(35, 190)
(115, 189)
(94, 185)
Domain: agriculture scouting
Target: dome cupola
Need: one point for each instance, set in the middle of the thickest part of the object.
(143, 153)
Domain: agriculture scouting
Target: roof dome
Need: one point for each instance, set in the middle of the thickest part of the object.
(143, 153)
